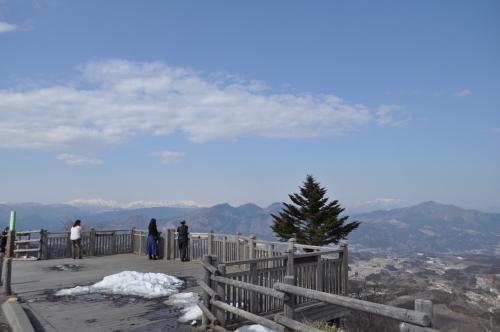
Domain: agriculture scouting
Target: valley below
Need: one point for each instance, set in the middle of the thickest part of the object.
(465, 290)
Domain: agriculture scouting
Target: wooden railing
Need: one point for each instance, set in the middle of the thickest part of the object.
(49, 245)
(323, 270)
(42, 244)
(279, 305)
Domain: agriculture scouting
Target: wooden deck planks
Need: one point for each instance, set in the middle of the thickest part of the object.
(32, 281)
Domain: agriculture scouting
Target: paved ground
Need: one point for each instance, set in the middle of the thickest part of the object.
(35, 282)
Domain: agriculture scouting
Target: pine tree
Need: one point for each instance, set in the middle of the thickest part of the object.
(312, 220)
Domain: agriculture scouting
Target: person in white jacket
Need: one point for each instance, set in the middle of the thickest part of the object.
(76, 239)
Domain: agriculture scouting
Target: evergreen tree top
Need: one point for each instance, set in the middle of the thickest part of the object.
(311, 219)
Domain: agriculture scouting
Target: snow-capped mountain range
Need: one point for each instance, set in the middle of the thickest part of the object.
(100, 205)
(377, 204)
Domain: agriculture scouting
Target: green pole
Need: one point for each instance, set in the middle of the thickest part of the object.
(12, 221)
(10, 245)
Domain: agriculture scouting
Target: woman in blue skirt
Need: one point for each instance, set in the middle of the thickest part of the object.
(153, 234)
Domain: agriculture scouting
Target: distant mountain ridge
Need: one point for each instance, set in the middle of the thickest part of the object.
(423, 227)
(100, 205)
(430, 226)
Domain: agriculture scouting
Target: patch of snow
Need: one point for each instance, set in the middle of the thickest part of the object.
(253, 328)
(187, 303)
(148, 285)
(190, 313)
(182, 300)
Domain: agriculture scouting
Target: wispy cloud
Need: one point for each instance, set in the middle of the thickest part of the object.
(495, 130)
(391, 115)
(6, 27)
(462, 94)
(169, 157)
(123, 100)
(73, 159)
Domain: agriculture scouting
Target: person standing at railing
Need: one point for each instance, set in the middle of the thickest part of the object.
(76, 239)
(182, 239)
(153, 235)
(3, 239)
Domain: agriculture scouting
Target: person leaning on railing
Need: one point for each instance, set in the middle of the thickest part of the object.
(3, 239)
(76, 239)
(182, 239)
(153, 236)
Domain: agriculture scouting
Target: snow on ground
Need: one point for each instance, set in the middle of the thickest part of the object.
(253, 328)
(187, 303)
(148, 285)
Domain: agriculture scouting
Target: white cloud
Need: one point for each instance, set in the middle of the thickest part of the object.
(6, 27)
(169, 157)
(462, 94)
(391, 115)
(73, 159)
(495, 130)
(122, 100)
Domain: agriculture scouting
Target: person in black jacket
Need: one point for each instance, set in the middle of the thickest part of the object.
(3, 239)
(153, 234)
(182, 239)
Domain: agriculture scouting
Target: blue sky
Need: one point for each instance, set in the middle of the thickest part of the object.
(236, 102)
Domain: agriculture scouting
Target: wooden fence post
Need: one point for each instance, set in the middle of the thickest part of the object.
(132, 239)
(16, 245)
(167, 243)
(113, 243)
(40, 239)
(213, 284)
(253, 295)
(426, 307)
(7, 277)
(224, 249)
(290, 271)
(238, 251)
(221, 291)
(69, 248)
(92, 242)
(270, 253)
(160, 243)
(190, 248)
(251, 247)
(210, 238)
(245, 253)
(345, 267)
(288, 305)
(171, 244)
(2, 255)
(28, 245)
(319, 273)
(11, 239)
(44, 244)
(206, 296)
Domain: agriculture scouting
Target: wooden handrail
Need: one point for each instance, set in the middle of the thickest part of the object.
(252, 287)
(254, 318)
(207, 312)
(406, 327)
(401, 314)
(16, 251)
(294, 325)
(255, 260)
(210, 268)
(213, 294)
(27, 241)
